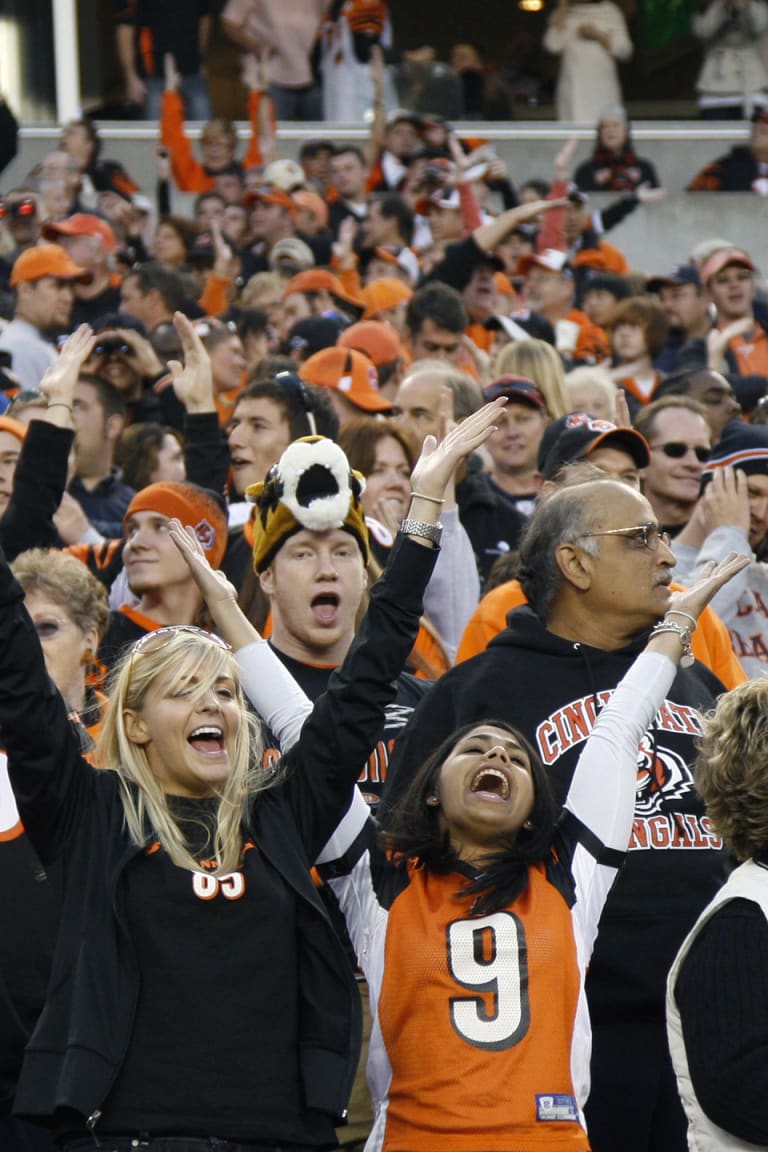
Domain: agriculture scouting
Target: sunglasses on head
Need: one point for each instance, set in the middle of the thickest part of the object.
(676, 449)
(154, 641)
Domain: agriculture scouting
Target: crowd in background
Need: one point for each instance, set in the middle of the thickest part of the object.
(319, 54)
(330, 316)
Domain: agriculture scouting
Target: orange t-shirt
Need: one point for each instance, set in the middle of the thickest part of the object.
(751, 352)
(711, 643)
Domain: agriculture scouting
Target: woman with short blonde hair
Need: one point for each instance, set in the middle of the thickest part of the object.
(541, 363)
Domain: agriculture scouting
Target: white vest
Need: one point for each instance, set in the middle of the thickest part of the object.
(748, 882)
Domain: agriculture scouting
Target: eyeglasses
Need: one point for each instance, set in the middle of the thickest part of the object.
(676, 449)
(649, 535)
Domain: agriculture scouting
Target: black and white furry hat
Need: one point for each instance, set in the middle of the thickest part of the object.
(312, 486)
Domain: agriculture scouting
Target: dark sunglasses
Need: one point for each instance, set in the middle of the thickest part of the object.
(676, 449)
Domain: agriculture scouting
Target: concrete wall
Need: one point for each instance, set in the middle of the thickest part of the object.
(654, 238)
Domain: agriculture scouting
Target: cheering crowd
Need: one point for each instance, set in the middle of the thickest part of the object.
(384, 615)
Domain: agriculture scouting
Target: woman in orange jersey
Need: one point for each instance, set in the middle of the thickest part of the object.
(475, 930)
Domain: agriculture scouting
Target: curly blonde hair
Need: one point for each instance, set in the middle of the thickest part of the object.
(732, 768)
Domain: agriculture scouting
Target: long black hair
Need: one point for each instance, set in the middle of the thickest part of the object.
(412, 828)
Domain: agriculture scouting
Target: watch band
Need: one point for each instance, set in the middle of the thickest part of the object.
(431, 532)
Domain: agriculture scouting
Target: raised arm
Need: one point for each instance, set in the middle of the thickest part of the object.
(603, 801)
(266, 682)
(41, 473)
(50, 779)
(345, 721)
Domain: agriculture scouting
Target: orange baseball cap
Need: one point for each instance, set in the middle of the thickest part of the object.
(386, 292)
(349, 372)
(82, 224)
(15, 427)
(377, 340)
(724, 258)
(269, 194)
(312, 203)
(321, 280)
(47, 260)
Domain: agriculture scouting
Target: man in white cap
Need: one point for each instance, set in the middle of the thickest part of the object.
(550, 289)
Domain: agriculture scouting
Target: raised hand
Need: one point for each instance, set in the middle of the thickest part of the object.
(437, 462)
(216, 590)
(225, 263)
(344, 247)
(192, 380)
(692, 601)
(58, 382)
(725, 501)
(718, 340)
(162, 162)
(172, 75)
(563, 162)
(213, 585)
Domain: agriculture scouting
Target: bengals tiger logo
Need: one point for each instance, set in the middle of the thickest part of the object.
(206, 534)
(661, 775)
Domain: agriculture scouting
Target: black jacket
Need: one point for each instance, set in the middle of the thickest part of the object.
(493, 524)
(736, 171)
(74, 814)
(547, 687)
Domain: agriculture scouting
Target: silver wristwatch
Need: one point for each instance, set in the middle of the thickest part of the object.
(431, 532)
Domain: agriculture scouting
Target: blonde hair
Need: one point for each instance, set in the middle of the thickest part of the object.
(541, 363)
(732, 768)
(258, 284)
(597, 377)
(191, 663)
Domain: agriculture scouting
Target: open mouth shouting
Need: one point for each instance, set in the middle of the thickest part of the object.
(208, 739)
(325, 608)
(491, 784)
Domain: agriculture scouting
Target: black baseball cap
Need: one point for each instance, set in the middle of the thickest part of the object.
(574, 436)
(683, 274)
(519, 389)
